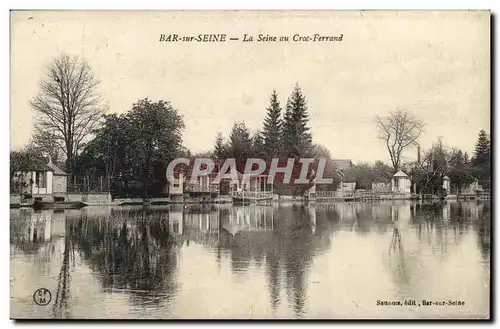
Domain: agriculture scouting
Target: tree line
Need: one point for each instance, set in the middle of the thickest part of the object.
(401, 130)
(132, 150)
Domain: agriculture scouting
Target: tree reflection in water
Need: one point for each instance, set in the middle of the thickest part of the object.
(60, 306)
(483, 230)
(133, 251)
(284, 238)
(399, 214)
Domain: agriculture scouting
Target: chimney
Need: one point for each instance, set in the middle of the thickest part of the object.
(418, 154)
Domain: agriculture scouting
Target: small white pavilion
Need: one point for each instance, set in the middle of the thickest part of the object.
(447, 184)
(401, 183)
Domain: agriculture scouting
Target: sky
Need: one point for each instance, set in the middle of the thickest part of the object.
(435, 64)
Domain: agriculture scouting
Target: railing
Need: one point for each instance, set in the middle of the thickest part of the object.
(358, 195)
(253, 194)
(477, 195)
(333, 194)
(198, 188)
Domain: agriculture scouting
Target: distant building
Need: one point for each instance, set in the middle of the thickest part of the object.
(447, 184)
(176, 186)
(42, 181)
(181, 186)
(400, 183)
(347, 181)
(35, 180)
(347, 177)
(59, 181)
(342, 164)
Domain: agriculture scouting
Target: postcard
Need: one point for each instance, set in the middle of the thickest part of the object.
(250, 165)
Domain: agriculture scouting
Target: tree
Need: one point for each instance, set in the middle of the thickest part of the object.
(220, 147)
(45, 143)
(108, 153)
(382, 172)
(482, 150)
(363, 173)
(258, 145)
(296, 133)
(481, 160)
(319, 151)
(460, 171)
(429, 174)
(273, 127)
(134, 149)
(399, 130)
(68, 106)
(155, 131)
(240, 143)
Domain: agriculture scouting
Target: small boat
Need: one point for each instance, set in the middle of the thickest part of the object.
(58, 205)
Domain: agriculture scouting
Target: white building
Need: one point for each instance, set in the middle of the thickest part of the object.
(176, 185)
(400, 183)
(43, 181)
(447, 184)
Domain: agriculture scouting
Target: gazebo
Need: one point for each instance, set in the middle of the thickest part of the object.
(446, 184)
(400, 183)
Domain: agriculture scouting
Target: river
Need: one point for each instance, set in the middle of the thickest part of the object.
(335, 261)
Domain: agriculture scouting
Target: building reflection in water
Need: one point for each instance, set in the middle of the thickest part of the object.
(42, 236)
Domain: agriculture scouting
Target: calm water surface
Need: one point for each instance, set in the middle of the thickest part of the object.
(287, 261)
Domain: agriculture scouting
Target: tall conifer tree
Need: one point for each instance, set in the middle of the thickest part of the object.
(273, 128)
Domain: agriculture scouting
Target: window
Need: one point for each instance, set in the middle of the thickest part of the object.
(396, 184)
(176, 183)
(41, 179)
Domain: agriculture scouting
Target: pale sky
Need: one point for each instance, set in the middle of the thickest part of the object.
(436, 64)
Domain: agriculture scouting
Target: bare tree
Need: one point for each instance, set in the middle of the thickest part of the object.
(399, 130)
(45, 143)
(68, 106)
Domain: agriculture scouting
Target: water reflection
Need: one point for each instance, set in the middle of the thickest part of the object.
(147, 255)
(133, 250)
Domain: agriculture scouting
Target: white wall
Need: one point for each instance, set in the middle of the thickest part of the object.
(49, 182)
(404, 185)
(446, 185)
(34, 189)
(347, 187)
(59, 184)
(179, 189)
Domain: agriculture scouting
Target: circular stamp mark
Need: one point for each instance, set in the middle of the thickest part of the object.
(42, 297)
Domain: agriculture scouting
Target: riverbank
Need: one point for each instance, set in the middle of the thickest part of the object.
(105, 199)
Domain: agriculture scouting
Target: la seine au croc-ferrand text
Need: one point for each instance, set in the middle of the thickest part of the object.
(262, 38)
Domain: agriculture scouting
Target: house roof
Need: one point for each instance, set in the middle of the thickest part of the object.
(56, 170)
(37, 167)
(400, 174)
(342, 164)
(446, 178)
